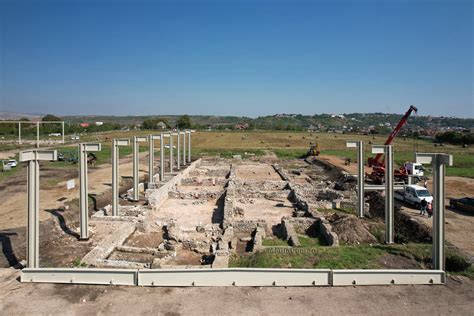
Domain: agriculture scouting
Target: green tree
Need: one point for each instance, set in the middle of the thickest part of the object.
(51, 117)
(154, 123)
(184, 121)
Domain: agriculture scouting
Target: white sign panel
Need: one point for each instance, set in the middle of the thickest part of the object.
(71, 184)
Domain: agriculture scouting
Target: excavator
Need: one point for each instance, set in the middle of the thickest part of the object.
(314, 150)
(378, 163)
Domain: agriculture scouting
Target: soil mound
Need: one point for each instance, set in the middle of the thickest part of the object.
(351, 230)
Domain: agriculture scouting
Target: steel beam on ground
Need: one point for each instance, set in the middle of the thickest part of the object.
(136, 165)
(360, 174)
(389, 187)
(438, 162)
(386, 277)
(33, 157)
(115, 173)
(80, 276)
(84, 149)
(234, 277)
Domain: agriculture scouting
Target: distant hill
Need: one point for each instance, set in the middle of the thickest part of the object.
(16, 116)
(294, 121)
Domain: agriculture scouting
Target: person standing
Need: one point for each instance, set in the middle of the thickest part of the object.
(429, 209)
(423, 205)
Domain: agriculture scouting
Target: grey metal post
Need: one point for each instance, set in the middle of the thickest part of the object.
(83, 194)
(37, 134)
(162, 158)
(33, 158)
(189, 147)
(63, 130)
(136, 165)
(389, 203)
(171, 152)
(184, 148)
(19, 133)
(178, 157)
(151, 158)
(115, 173)
(438, 162)
(360, 174)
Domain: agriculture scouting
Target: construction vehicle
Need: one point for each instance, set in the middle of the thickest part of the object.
(409, 169)
(314, 150)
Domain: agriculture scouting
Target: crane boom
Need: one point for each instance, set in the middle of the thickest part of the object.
(375, 161)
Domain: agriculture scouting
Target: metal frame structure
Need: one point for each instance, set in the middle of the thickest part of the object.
(162, 158)
(115, 173)
(184, 147)
(229, 276)
(438, 163)
(33, 157)
(84, 148)
(37, 128)
(136, 165)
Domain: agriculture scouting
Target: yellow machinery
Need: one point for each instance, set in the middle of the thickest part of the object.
(314, 150)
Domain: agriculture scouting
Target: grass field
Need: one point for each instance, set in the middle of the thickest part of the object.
(285, 145)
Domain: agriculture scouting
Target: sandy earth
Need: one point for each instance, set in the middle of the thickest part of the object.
(457, 297)
(13, 197)
(256, 172)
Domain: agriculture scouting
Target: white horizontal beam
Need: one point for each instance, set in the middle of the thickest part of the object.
(352, 144)
(378, 149)
(141, 139)
(428, 158)
(386, 277)
(155, 137)
(80, 276)
(93, 147)
(234, 277)
(122, 142)
(48, 155)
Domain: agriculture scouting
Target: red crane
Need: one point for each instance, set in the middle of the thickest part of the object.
(375, 161)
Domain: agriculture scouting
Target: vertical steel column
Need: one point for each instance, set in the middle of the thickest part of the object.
(162, 158)
(33, 214)
(151, 159)
(360, 179)
(19, 133)
(184, 148)
(189, 147)
(389, 202)
(63, 130)
(115, 173)
(83, 184)
(360, 174)
(33, 158)
(178, 157)
(438, 162)
(115, 184)
(136, 164)
(83, 198)
(37, 134)
(171, 152)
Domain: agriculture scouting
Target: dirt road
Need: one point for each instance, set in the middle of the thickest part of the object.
(456, 297)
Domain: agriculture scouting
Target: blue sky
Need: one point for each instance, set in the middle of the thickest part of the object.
(236, 57)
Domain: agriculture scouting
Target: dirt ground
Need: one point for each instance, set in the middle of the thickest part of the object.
(13, 190)
(456, 297)
(256, 172)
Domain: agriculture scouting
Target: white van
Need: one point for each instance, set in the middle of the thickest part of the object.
(414, 194)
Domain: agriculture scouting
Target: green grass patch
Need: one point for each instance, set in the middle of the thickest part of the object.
(344, 257)
(289, 153)
(309, 242)
(274, 242)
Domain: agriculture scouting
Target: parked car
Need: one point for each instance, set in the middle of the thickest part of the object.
(414, 194)
(464, 204)
(12, 163)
